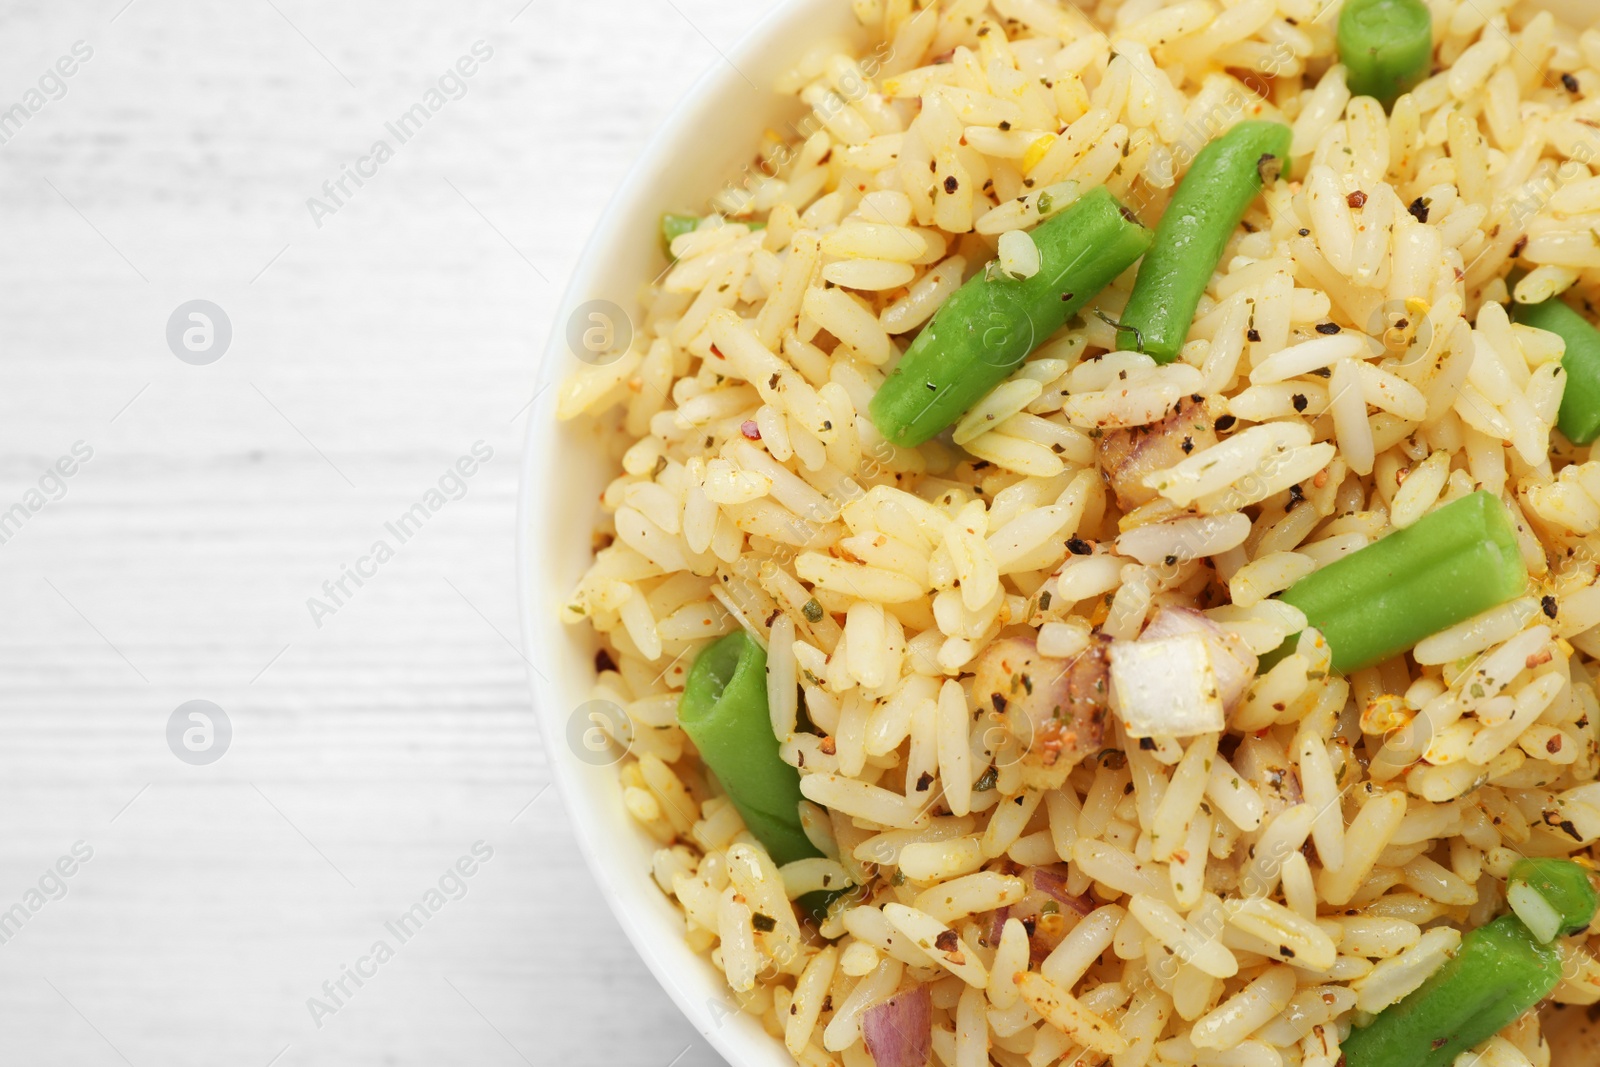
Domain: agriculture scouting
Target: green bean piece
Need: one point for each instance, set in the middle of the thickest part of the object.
(985, 329)
(724, 711)
(1224, 180)
(1445, 568)
(1553, 897)
(1386, 47)
(674, 226)
(1580, 401)
(1499, 972)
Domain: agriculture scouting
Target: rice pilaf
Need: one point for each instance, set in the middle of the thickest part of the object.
(1080, 780)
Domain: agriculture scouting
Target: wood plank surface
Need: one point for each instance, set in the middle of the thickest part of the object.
(372, 346)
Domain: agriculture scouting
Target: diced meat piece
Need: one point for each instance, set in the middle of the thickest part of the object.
(1056, 709)
(1128, 455)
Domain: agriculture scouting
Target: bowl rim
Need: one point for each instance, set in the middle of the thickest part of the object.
(700, 994)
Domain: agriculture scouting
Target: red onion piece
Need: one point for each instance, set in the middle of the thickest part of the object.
(997, 925)
(1053, 884)
(899, 1031)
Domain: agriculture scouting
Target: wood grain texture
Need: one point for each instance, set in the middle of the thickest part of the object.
(369, 753)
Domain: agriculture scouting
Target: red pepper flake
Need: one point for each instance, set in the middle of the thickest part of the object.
(1357, 199)
(751, 431)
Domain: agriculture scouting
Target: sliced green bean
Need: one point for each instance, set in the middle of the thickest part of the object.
(1499, 972)
(1553, 897)
(985, 329)
(1386, 47)
(1224, 180)
(1448, 566)
(1580, 401)
(724, 711)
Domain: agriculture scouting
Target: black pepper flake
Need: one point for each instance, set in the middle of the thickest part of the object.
(1548, 605)
(950, 183)
(1304, 232)
(1522, 243)
(1323, 372)
(1297, 496)
(1225, 423)
(1253, 333)
(1299, 401)
(1147, 744)
(603, 661)
(1419, 208)
(1005, 124)
(1079, 547)
(924, 781)
(1569, 83)
(946, 941)
(764, 923)
(1327, 329)
(1188, 445)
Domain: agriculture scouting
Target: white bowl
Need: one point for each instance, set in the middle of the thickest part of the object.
(703, 145)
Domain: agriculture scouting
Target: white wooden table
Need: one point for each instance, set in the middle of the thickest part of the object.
(369, 753)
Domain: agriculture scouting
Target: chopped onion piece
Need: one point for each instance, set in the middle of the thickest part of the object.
(1231, 659)
(1053, 884)
(1165, 687)
(899, 1031)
